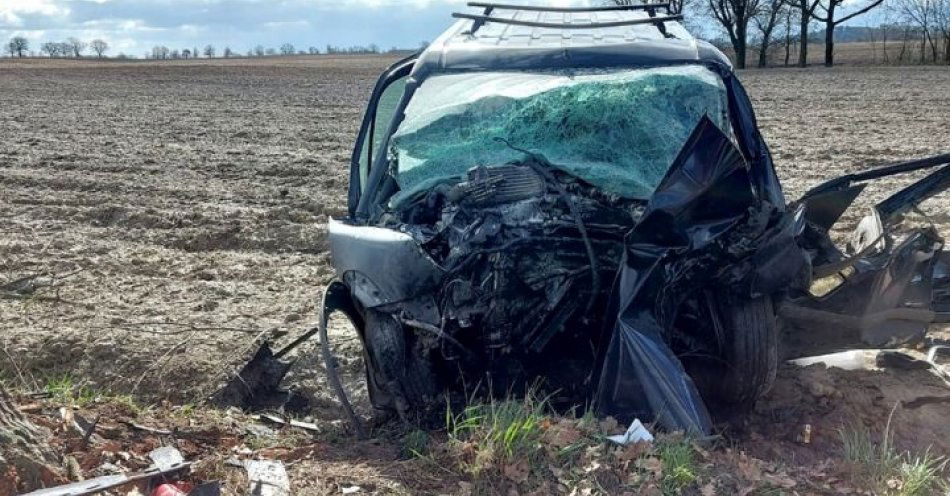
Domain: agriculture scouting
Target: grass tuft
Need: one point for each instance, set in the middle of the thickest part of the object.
(498, 432)
(890, 472)
(415, 444)
(680, 469)
(65, 389)
(921, 475)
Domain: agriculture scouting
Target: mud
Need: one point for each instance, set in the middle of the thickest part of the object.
(170, 214)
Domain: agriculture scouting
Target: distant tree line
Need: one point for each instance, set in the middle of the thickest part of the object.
(785, 29)
(19, 46)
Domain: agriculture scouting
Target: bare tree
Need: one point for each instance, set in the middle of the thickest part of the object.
(806, 10)
(259, 50)
(18, 46)
(771, 14)
(789, 39)
(829, 7)
(287, 49)
(50, 48)
(209, 51)
(76, 46)
(921, 15)
(186, 54)
(271, 51)
(734, 16)
(64, 48)
(24, 452)
(942, 26)
(99, 46)
(160, 52)
(314, 51)
(228, 53)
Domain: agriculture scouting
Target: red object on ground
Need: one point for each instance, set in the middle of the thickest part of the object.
(176, 489)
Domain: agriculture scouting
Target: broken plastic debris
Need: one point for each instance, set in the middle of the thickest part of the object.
(267, 478)
(177, 489)
(352, 489)
(847, 360)
(636, 433)
(166, 458)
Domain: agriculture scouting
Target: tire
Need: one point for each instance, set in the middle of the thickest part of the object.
(398, 380)
(750, 350)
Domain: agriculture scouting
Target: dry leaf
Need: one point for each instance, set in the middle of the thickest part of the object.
(517, 471)
(651, 464)
(748, 469)
(781, 480)
(609, 425)
(562, 434)
(632, 451)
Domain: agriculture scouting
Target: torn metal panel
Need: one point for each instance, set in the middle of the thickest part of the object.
(889, 284)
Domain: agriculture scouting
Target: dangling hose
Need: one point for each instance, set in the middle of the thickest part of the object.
(330, 364)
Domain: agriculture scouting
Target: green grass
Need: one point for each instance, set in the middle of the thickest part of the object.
(415, 444)
(65, 389)
(680, 469)
(922, 475)
(69, 391)
(892, 473)
(499, 431)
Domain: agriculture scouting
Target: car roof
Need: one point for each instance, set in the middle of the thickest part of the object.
(522, 37)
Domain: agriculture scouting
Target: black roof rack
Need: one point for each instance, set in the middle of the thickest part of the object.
(482, 19)
(542, 8)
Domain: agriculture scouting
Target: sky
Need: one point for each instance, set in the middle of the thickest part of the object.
(133, 27)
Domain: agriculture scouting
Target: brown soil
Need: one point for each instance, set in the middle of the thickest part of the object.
(171, 214)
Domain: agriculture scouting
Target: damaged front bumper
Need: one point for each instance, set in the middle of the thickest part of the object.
(656, 310)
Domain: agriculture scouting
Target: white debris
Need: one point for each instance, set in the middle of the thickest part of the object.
(636, 433)
(267, 478)
(847, 360)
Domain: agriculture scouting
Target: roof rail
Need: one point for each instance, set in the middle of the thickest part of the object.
(482, 19)
(542, 8)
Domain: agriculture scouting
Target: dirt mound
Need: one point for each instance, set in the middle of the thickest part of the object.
(829, 400)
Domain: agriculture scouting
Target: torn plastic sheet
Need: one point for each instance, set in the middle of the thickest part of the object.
(704, 215)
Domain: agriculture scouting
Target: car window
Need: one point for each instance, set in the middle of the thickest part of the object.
(619, 130)
(385, 110)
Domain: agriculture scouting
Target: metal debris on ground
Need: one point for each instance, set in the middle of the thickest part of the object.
(100, 484)
(267, 478)
(307, 426)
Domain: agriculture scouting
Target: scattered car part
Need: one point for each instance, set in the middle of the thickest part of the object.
(101, 484)
(267, 478)
(257, 386)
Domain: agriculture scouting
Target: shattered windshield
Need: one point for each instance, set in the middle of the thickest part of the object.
(618, 130)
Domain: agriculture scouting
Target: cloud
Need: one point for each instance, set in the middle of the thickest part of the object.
(137, 25)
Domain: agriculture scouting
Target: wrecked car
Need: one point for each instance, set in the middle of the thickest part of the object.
(578, 199)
